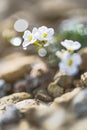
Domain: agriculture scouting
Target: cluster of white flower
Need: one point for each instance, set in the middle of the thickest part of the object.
(70, 61)
(38, 36)
(42, 36)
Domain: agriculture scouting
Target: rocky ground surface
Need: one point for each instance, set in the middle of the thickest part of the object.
(36, 96)
(21, 112)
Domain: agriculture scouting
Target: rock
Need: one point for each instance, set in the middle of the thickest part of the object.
(33, 114)
(62, 84)
(67, 96)
(55, 90)
(20, 86)
(32, 82)
(7, 101)
(78, 83)
(55, 119)
(40, 76)
(43, 97)
(79, 125)
(24, 125)
(83, 53)
(84, 79)
(68, 90)
(2, 88)
(11, 115)
(25, 105)
(79, 103)
(15, 66)
(41, 94)
(63, 80)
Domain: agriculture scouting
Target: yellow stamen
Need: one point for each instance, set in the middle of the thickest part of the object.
(44, 35)
(37, 44)
(70, 62)
(71, 51)
(30, 37)
(44, 42)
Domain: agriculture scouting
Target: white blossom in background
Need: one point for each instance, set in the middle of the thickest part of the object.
(71, 45)
(44, 33)
(29, 37)
(42, 52)
(70, 62)
(59, 54)
(16, 41)
(21, 25)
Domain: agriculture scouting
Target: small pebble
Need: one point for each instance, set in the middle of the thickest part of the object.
(20, 86)
(41, 94)
(84, 79)
(2, 88)
(12, 114)
(55, 90)
(63, 80)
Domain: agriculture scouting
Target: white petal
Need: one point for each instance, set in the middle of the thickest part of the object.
(69, 44)
(43, 28)
(66, 55)
(62, 66)
(34, 30)
(51, 31)
(71, 71)
(76, 45)
(26, 34)
(77, 59)
(25, 44)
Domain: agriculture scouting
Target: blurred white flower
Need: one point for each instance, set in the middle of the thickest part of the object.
(16, 41)
(58, 54)
(71, 45)
(44, 33)
(21, 25)
(29, 37)
(42, 52)
(70, 62)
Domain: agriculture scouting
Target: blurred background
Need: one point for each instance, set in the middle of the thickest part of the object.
(59, 14)
(39, 12)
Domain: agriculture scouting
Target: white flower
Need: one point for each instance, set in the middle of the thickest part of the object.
(69, 63)
(71, 45)
(44, 33)
(29, 37)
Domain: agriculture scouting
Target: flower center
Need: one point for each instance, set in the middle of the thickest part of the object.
(30, 37)
(70, 62)
(70, 50)
(44, 35)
